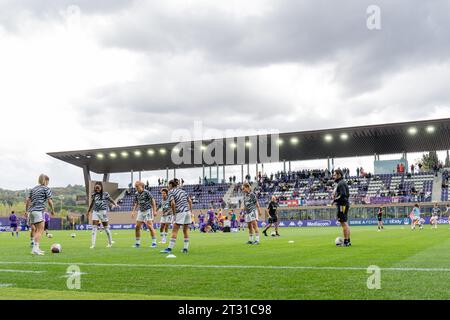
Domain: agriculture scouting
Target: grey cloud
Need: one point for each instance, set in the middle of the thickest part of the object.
(309, 32)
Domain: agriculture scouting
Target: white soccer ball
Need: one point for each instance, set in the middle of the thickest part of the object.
(49, 235)
(339, 241)
(273, 234)
(56, 248)
(73, 235)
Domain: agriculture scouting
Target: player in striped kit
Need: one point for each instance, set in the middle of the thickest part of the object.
(166, 215)
(435, 214)
(252, 209)
(181, 205)
(100, 201)
(147, 206)
(35, 207)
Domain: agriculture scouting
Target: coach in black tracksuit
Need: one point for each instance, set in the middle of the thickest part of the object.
(341, 195)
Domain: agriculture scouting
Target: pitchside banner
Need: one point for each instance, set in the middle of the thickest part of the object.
(297, 223)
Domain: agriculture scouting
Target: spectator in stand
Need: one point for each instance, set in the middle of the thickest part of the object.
(357, 172)
(412, 169)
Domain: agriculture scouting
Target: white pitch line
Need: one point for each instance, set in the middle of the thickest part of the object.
(5, 285)
(129, 265)
(20, 271)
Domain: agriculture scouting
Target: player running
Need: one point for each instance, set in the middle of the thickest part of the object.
(35, 207)
(13, 224)
(435, 214)
(341, 195)
(147, 206)
(181, 205)
(415, 217)
(252, 209)
(273, 217)
(100, 201)
(380, 218)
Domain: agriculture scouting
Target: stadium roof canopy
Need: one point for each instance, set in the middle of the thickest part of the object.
(406, 137)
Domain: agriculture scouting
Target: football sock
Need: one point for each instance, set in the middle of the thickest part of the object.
(94, 235)
(257, 237)
(172, 243)
(186, 243)
(109, 235)
(138, 241)
(250, 238)
(153, 240)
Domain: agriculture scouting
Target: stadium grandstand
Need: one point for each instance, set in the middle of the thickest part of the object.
(304, 194)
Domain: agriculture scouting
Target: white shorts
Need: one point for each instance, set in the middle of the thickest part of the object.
(100, 216)
(183, 218)
(36, 217)
(167, 219)
(144, 216)
(251, 216)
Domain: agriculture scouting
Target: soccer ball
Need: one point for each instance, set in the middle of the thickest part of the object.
(49, 235)
(56, 248)
(339, 241)
(73, 235)
(273, 234)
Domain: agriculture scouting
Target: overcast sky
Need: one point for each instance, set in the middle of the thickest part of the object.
(90, 74)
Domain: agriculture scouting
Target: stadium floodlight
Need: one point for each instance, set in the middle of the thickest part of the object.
(151, 152)
(88, 156)
(100, 156)
(344, 136)
(124, 154)
(248, 144)
(294, 140)
(113, 155)
(431, 129)
(233, 145)
(412, 131)
(280, 142)
(162, 151)
(203, 147)
(176, 150)
(77, 157)
(137, 153)
(328, 138)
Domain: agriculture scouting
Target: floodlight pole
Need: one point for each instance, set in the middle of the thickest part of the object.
(87, 182)
(167, 174)
(106, 177)
(242, 173)
(223, 171)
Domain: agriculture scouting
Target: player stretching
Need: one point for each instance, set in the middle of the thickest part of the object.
(273, 217)
(341, 194)
(13, 224)
(415, 217)
(147, 206)
(435, 214)
(166, 217)
(100, 201)
(35, 207)
(380, 219)
(181, 205)
(252, 209)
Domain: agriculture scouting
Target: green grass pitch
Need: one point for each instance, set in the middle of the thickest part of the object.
(414, 265)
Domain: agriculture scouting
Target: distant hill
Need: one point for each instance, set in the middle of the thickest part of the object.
(64, 198)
